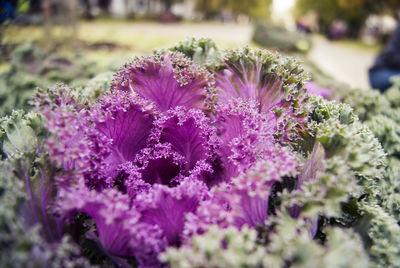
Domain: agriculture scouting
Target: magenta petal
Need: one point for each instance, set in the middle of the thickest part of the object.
(168, 80)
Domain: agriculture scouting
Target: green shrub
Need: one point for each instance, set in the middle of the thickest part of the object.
(30, 67)
(279, 38)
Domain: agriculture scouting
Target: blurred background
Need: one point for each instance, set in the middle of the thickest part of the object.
(72, 41)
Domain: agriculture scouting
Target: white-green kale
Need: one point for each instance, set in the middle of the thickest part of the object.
(28, 230)
(343, 136)
(289, 245)
(381, 235)
(202, 51)
(228, 247)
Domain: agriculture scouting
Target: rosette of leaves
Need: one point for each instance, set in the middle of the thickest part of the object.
(189, 164)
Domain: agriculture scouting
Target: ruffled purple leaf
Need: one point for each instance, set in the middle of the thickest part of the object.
(126, 123)
(66, 122)
(168, 80)
(254, 187)
(118, 227)
(108, 209)
(130, 180)
(245, 76)
(244, 201)
(245, 136)
(167, 207)
(313, 165)
(228, 206)
(274, 83)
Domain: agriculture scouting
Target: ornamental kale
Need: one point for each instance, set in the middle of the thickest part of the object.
(380, 215)
(193, 157)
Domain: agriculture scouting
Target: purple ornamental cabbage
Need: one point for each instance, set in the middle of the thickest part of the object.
(158, 158)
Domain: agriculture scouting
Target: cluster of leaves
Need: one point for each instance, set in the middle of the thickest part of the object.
(288, 248)
(378, 218)
(30, 68)
(202, 51)
(381, 113)
(195, 158)
(30, 236)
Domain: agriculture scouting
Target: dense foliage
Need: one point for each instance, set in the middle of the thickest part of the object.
(196, 157)
(380, 113)
(253, 8)
(353, 12)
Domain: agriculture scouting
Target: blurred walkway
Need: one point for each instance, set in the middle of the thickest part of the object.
(225, 33)
(344, 63)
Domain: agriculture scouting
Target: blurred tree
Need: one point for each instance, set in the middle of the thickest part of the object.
(168, 4)
(87, 7)
(252, 8)
(209, 8)
(46, 11)
(353, 12)
(35, 6)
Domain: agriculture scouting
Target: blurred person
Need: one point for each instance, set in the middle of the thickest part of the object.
(104, 5)
(337, 30)
(387, 63)
(303, 25)
(8, 10)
